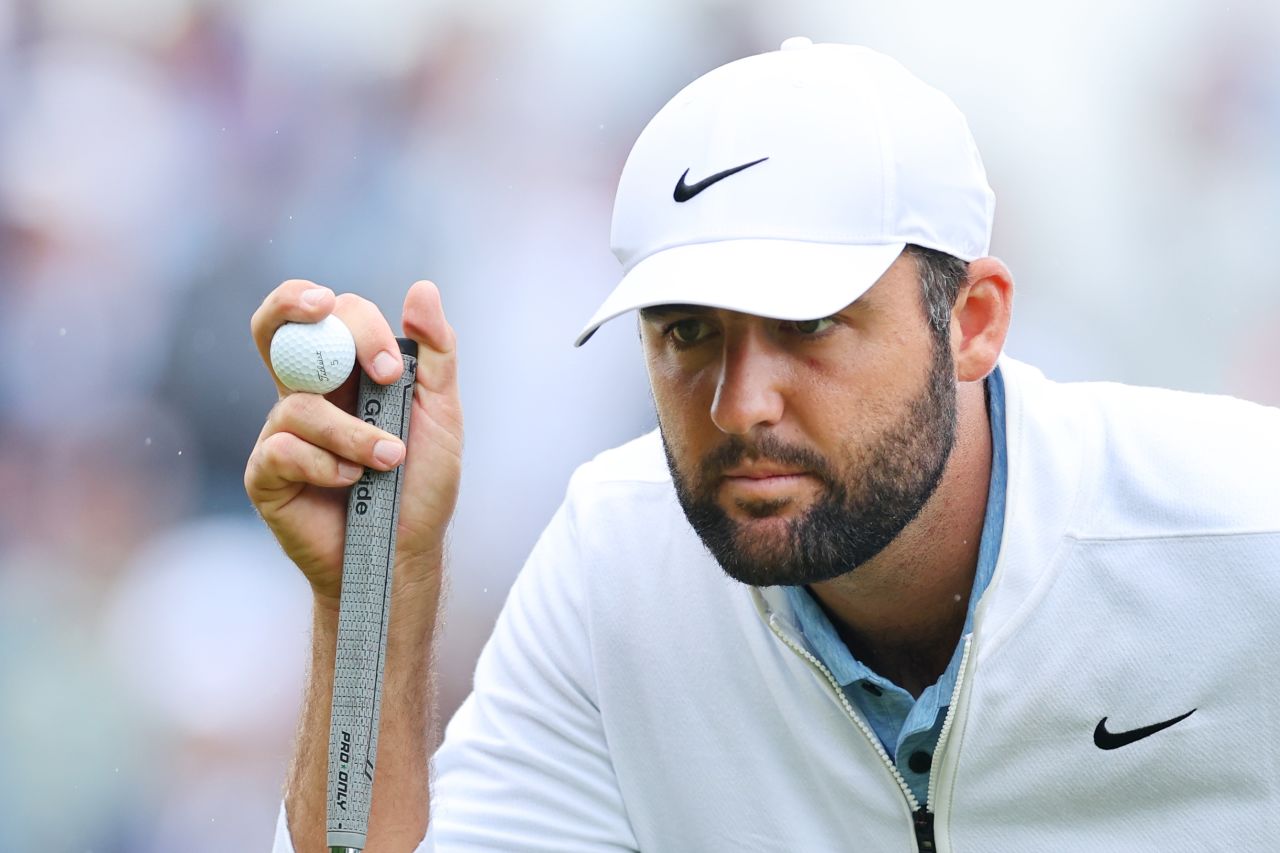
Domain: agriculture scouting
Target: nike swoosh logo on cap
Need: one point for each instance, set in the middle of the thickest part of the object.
(1104, 739)
(684, 191)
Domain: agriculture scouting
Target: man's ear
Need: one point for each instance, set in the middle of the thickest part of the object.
(980, 319)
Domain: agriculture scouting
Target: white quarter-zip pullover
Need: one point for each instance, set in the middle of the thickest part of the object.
(634, 697)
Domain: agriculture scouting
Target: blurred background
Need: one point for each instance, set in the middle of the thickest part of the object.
(166, 163)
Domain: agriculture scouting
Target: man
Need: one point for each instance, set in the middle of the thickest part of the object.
(873, 586)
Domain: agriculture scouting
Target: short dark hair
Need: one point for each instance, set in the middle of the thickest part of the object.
(941, 277)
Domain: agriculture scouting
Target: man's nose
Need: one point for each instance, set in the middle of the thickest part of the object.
(749, 392)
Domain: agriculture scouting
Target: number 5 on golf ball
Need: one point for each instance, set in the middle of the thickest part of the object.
(313, 357)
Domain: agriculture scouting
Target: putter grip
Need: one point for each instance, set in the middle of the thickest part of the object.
(373, 509)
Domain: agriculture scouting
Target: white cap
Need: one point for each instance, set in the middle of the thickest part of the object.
(785, 184)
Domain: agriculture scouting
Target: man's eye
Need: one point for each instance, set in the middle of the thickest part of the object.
(688, 331)
(812, 327)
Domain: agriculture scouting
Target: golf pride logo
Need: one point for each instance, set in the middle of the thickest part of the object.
(344, 756)
(364, 492)
(364, 486)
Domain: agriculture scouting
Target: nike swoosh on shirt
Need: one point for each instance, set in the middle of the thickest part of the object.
(1104, 739)
(684, 191)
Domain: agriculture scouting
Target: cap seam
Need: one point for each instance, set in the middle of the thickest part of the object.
(888, 173)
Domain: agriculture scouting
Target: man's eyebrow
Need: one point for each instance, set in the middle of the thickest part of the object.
(658, 312)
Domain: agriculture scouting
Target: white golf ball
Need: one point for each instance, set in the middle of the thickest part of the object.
(314, 357)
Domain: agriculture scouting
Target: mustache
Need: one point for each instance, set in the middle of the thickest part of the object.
(762, 448)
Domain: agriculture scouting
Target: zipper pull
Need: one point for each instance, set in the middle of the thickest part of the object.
(923, 819)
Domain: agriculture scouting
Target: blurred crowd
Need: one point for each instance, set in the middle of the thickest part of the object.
(165, 163)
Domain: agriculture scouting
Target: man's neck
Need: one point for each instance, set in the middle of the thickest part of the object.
(903, 612)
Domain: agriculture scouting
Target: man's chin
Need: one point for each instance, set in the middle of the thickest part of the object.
(765, 574)
(762, 553)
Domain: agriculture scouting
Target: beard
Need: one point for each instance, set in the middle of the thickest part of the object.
(866, 498)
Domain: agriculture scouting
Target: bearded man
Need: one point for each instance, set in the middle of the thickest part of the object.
(871, 585)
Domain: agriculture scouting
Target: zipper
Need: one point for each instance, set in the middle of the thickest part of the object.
(948, 720)
(851, 713)
(923, 822)
(921, 817)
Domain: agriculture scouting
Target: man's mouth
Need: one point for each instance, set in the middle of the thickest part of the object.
(765, 471)
(763, 482)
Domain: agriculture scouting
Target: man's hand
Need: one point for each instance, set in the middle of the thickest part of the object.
(313, 448)
(309, 453)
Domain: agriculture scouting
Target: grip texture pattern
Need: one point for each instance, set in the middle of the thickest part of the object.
(373, 510)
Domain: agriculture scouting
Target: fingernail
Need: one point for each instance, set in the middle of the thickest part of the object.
(388, 452)
(311, 298)
(384, 363)
(349, 471)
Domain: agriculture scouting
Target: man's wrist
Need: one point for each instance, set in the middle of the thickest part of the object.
(415, 593)
(325, 606)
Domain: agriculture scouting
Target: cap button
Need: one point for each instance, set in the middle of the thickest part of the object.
(796, 42)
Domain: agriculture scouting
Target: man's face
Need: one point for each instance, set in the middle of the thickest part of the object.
(799, 450)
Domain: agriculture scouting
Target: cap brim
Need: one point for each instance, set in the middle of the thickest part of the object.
(782, 279)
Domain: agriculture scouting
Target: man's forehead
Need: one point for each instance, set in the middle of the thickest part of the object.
(654, 312)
